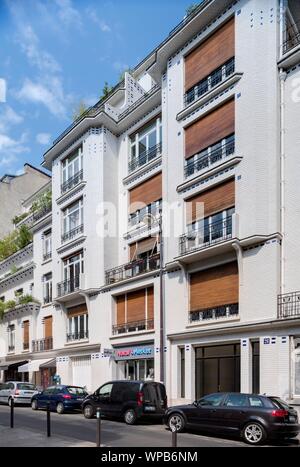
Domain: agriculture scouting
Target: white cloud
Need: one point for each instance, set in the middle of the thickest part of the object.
(118, 66)
(68, 14)
(9, 117)
(2, 90)
(11, 149)
(43, 138)
(92, 14)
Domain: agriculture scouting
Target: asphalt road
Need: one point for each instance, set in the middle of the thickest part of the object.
(114, 433)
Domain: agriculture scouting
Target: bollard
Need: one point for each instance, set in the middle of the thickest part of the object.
(174, 438)
(12, 412)
(48, 420)
(98, 436)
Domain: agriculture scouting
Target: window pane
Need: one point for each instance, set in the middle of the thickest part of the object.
(236, 400)
(142, 146)
(152, 139)
(213, 400)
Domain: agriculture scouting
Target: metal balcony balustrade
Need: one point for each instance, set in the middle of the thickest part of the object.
(72, 181)
(11, 348)
(206, 236)
(42, 345)
(207, 158)
(47, 256)
(293, 38)
(47, 300)
(68, 286)
(219, 312)
(77, 336)
(139, 215)
(134, 326)
(210, 82)
(289, 305)
(72, 233)
(132, 269)
(41, 213)
(144, 158)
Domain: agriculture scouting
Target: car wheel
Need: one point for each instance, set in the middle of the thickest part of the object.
(60, 408)
(254, 433)
(34, 405)
(130, 417)
(88, 411)
(176, 423)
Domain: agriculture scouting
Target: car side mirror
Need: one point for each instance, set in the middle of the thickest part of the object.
(195, 403)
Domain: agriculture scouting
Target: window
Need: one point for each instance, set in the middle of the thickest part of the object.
(71, 166)
(47, 280)
(11, 337)
(105, 391)
(47, 245)
(214, 227)
(19, 293)
(255, 401)
(214, 400)
(78, 327)
(236, 400)
(139, 215)
(72, 219)
(146, 144)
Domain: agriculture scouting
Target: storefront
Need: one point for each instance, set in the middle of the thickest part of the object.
(135, 363)
(42, 371)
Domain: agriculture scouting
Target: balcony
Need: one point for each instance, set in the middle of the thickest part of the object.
(42, 345)
(72, 233)
(210, 157)
(25, 346)
(69, 286)
(289, 305)
(210, 82)
(206, 236)
(41, 213)
(135, 326)
(220, 312)
(133, 269)
(144, 158)
(71, 182)
(293, 38)
(47, 256)
(139, 216)
(139, 102)
(77, 336)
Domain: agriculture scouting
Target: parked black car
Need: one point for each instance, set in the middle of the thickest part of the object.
(253, 417)
(129, 400)
(60, 398)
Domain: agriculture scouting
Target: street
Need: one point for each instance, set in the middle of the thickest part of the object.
(114, 434)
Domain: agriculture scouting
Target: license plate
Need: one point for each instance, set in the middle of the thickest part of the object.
(292, 419)
(150, 408)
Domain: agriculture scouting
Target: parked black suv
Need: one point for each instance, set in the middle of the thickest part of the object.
(129, 400)
(253, 417)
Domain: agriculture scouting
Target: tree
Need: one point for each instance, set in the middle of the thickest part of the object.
(106, 90)
(190, 9)
(24, 236)
(79, 110)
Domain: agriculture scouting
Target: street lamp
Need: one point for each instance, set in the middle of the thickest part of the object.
(150, 220)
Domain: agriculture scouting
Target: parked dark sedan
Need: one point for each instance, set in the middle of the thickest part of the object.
(60, 398)
(253, 417)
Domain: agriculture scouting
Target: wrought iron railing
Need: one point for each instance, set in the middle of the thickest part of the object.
(139, 216)
(42, 213)
(77, 336)
(135, 268)
(207, 158)
(134, 326)
(206, 236)
(293, 38)
(144, 158)
(47, 299)
(42, 345)
(72, 181)
(69, 286)
(210, 82)
(289, 305)
(72, 233)
(11, 348)
(219, 312)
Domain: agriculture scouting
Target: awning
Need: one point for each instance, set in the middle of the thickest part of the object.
(49, 364)
(35, 365)
(23, 368)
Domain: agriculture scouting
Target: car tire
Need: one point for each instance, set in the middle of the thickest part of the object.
(88, 411)
(60, 408)
(254, 433)
(176, 422)
(34, 405)
(130, 417)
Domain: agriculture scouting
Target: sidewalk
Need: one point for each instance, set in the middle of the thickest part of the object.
(23, 437)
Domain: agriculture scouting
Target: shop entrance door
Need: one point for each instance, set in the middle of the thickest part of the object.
(139, 369)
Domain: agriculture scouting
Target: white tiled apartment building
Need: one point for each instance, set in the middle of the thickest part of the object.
(206, 133)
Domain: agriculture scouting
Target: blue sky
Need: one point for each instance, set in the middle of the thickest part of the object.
(54, 53)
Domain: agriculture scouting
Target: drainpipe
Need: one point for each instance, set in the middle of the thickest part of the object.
(282, 78)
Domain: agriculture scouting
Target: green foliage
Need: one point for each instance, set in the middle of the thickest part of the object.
(24, 237)
(24, 299)
(106, 90)
(14, 269)
(10, 304)
(18, 219)
(14, 242)
(43, 202)
(191, 8)
(122, 75)
(79, 110)
(2, 309)
(21, 300)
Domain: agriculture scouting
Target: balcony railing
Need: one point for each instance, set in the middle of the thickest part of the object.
(77, 336)
(69, 286)
(209, 83)
(25, 345)
(220, 312)
(47, 256)
(47, 300)
(71, 182)
(144, 158)
(139, 101)
(139, 216)
(72, 233)
(293, 38)
(289, 305)
(132, 269)
(134, 326)
(11, 348)
(42, 213)
(206, 236)
(42, 345)
(205, 159)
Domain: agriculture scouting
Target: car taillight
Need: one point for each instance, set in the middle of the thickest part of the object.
(140, 399)
(67, 396)
(17, 392)
(280, 413)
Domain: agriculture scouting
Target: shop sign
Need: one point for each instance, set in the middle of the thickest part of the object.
(134, 353)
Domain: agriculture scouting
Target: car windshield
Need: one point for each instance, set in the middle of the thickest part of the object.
(280, 404)
(76, 391)
(26, 387)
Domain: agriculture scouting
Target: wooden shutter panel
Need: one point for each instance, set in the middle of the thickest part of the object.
(120, 302)
(214, 287)
(150, 302)
(26, 332)
(210, 129)
(146, 193)
(136, 306)
(210, 55)
(142, 247)
(77, 310)
(48, 326)
(215, 200)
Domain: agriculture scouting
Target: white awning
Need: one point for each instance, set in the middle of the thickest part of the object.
(34, 365)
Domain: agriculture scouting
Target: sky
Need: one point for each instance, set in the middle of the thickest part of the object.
(55, 53)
